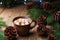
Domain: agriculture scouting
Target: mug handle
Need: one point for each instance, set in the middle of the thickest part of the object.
(33, 25)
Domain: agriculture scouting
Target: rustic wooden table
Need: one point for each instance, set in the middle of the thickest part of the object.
(9, 14)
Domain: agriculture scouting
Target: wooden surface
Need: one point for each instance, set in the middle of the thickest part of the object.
(9, 14)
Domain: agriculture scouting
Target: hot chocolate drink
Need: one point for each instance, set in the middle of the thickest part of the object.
(23, 21)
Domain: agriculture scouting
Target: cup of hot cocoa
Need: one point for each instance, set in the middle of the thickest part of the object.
(23, 25)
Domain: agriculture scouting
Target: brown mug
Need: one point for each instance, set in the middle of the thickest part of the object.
(23, 29)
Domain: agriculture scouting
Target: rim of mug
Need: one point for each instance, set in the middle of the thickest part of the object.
(18, 18)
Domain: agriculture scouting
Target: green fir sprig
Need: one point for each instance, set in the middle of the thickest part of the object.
(2, 36)
(2, 23)
(38, 12)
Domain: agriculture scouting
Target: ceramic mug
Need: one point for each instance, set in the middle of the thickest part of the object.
(23, 29)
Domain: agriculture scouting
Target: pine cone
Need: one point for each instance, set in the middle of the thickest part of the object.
(29, 4)
(56, 16)
(11, 33)
(47, 6)
(43, 31)
(51, 37)
(41, 20)
(36, 4)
